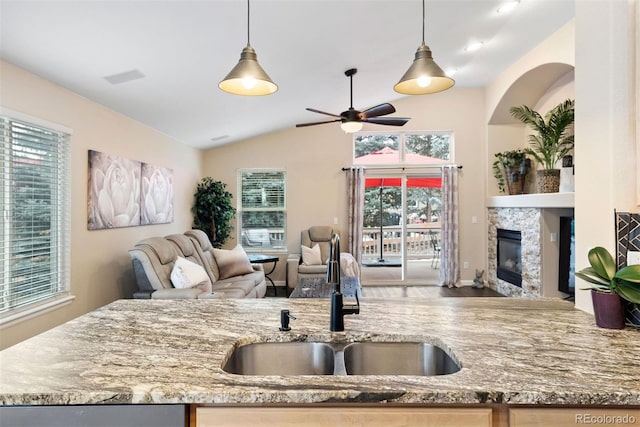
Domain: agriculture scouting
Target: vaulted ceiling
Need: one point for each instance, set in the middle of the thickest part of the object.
(184, 48)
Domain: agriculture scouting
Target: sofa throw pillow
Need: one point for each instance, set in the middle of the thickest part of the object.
(187, 274)
(232, 262)
(311, 256)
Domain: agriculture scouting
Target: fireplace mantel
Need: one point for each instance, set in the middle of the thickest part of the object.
(538, 200)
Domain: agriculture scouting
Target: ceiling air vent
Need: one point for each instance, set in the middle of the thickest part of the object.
(124, 77)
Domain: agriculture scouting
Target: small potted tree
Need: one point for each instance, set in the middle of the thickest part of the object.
(213, 210)
(552, 140)
(510, 169)
(609, 287)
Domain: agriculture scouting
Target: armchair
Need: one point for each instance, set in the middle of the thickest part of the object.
(321, 236)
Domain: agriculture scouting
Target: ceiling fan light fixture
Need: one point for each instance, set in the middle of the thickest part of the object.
(247, 77)
(351, 127)
(352, 120)
(424, 76)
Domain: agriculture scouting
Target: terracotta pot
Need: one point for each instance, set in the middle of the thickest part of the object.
(608, 309)
(548, 180)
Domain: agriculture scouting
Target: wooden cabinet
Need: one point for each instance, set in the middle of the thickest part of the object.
(561, 417)
(341, 416)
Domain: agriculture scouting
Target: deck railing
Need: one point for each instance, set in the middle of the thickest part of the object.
(420, 240)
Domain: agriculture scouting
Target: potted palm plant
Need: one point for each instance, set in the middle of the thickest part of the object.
(609, 287)
(510, 169)
(552, 140)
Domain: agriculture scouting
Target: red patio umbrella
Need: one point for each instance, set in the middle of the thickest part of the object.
(389, 156)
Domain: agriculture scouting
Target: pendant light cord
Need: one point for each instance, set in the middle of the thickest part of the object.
(248, 14)
(423, 21)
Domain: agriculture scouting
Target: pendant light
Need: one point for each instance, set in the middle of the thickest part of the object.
(248, 77)
(424, 75)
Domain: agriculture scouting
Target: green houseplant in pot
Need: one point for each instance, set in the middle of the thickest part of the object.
(510, 168)
(213, 210)
(609, 287)
(551, 141)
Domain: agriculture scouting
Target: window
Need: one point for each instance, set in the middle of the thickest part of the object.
(262, 209)
(423, 148)
(34, 166)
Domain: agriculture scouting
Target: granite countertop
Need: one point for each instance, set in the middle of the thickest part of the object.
(512, 350)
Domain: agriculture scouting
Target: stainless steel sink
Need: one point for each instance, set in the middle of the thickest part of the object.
(359, 358)
(397, 358)
(283, 358)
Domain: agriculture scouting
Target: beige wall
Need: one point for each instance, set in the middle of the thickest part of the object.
(100, 266)
(606, 168)
(314, 156)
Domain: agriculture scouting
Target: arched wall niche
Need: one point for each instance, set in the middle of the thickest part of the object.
(541, 88)
(528, 89)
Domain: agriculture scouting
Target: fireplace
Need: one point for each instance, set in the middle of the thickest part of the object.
(509, 252)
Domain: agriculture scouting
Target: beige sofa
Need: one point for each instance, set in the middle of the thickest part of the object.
(153, 261)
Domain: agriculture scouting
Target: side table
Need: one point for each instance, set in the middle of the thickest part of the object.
(265, 259)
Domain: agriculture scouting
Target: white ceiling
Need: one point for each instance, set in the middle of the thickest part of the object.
(184, 48)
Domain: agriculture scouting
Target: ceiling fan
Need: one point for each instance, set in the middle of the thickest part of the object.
(352, 119)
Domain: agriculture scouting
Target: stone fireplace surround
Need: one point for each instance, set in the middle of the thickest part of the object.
(536, 216)
(528, 222)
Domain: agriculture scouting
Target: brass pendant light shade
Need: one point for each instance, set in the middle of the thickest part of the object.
(247, 77)
(424, 76)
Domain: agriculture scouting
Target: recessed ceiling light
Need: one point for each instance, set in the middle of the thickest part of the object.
(471, 47)
(508, 6)
(124, 77)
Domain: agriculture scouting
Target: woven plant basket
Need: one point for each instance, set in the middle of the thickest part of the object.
(515, 181)
(548, 180)
(516, 186)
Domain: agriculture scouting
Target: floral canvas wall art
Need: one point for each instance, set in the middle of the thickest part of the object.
(157, 195)
(114, 191)
(126, 193)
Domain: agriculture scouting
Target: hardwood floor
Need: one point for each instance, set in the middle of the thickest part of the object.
(423, 276)
(401, 291)
(425, 292)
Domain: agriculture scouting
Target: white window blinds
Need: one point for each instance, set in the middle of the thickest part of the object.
(262, 209)
(35, 195)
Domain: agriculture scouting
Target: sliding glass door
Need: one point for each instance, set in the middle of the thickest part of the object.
(401, 229)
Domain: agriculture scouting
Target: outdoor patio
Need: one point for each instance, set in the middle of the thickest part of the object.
(419, 272)
(382, 251)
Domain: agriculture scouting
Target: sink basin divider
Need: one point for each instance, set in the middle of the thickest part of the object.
(339, 367)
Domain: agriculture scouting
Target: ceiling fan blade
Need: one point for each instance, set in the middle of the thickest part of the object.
(390, 121)
(300, 125)
(378, 110)
(322, 112)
